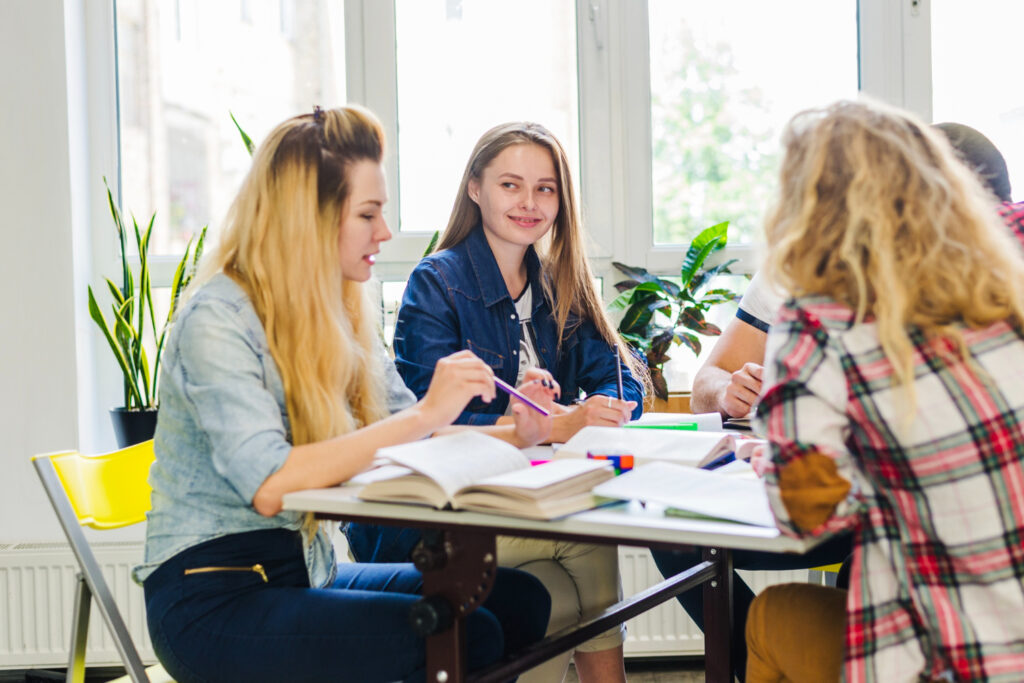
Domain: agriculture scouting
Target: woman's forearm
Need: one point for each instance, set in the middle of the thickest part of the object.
(333, 461)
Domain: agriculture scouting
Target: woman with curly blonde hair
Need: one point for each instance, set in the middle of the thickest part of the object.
(893, 407)
(275, 380)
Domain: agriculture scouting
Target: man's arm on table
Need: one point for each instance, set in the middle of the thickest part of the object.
(730, 379)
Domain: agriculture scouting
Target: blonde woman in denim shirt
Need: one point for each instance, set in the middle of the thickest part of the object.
(511, 283)
(274, 381)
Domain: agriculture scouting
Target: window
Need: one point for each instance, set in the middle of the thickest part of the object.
(465, 66)
(975, 56)
(725, 79)
(184, 67)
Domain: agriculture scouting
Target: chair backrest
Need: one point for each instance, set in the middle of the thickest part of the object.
(103, 492)
(106, 491)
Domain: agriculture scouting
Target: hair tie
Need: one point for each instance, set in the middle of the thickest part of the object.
(318, 114)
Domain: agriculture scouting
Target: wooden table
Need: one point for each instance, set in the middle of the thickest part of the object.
(459, 561)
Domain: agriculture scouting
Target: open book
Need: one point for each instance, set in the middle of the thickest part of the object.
(693, 492)
(697, 449)
(472, 471)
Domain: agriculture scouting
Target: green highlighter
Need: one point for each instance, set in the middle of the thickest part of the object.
(682, 426)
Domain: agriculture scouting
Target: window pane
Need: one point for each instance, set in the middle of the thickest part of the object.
(465, 66)
(183, 65)
(725, 78)
(976, 56)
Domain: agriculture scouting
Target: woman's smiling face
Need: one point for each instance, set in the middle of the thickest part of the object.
(518, 195)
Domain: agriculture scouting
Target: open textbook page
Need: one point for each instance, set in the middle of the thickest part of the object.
(691, 491)
(695, 449)
(473, 471)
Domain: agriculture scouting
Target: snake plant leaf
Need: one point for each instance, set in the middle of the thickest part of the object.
(97, 315)
(709, 240)
(433, 243)
(122, 237)
(634, 272)
(197, 254)
(115, 291)
(246, 140)
(147, 390)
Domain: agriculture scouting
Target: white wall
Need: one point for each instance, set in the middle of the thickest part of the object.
(38, 369)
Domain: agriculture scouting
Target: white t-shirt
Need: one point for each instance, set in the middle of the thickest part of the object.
(760, 303)
(528, 357)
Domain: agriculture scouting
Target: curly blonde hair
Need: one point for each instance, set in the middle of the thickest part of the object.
(876, 211)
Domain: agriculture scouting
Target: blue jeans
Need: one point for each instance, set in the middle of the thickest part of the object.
(378, 543)
(671, 562)
(222, 626)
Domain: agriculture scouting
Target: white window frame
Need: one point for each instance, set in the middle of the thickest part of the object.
(615, 131)
(615, 117)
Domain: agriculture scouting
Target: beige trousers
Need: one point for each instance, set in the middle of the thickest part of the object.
(583, 580)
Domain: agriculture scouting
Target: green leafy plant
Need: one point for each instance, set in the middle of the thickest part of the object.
(132, 311)
(659, 312)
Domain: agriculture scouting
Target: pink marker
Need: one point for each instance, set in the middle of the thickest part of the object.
(507, 388)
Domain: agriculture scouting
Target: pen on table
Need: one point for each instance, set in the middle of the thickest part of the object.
(509, 389)
(618, 370)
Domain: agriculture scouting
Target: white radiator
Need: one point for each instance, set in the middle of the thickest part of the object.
(37, 582)
(666, 629)
(37, 591)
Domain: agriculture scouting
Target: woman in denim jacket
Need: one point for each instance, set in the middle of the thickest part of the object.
(274, 381)
(510, 282)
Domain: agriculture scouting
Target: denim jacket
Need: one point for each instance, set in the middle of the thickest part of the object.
(223, 429)
(457, 299)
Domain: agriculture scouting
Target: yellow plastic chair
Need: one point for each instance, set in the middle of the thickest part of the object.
(826, 574)
(103, 492)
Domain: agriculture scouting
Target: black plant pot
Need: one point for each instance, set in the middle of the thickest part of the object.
(133, 426)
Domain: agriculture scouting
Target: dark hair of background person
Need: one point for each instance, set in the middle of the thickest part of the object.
(978, 152)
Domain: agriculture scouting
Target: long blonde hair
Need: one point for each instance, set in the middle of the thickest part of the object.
(564, 265)
(876, 212)
(280, 243)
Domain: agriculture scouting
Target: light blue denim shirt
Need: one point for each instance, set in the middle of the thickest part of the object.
(223, 429)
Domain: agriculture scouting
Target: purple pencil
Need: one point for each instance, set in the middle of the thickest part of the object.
(506, 387)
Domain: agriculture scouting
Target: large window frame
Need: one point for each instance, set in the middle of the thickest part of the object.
(894, 42)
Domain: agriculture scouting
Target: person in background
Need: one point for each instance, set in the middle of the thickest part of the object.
(893, 407)
(729, 381)
(985, 159)
(275, 380)
(510, 281)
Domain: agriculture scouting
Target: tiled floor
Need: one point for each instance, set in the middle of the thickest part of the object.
(658, 671)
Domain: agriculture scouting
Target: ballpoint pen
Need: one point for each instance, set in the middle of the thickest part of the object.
(618, 370)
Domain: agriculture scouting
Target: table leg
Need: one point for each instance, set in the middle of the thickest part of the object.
(459, 568)
(718, 626)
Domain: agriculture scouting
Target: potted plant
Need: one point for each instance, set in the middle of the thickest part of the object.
(131, 314)
(659, 312)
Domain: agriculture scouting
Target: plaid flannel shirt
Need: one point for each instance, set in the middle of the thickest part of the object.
(1013, 216)
(937, 502)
